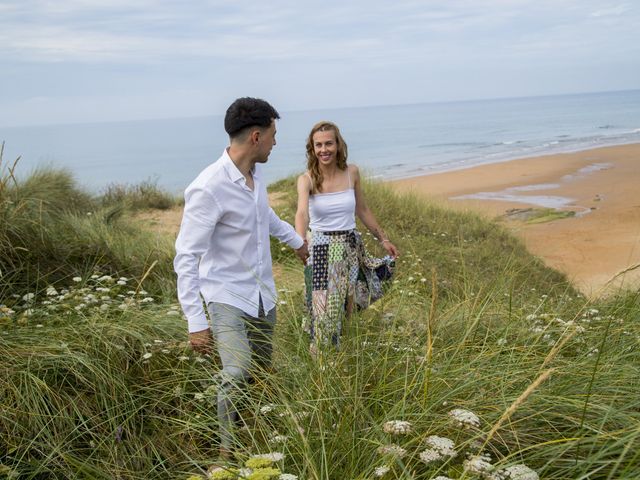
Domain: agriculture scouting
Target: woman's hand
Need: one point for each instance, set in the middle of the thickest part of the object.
(390, 248)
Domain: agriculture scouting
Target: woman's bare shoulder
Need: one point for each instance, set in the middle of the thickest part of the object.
(304, 180)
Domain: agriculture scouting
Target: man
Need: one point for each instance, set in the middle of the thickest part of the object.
(223, 255)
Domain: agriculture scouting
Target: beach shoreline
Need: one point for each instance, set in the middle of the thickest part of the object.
(596, 234)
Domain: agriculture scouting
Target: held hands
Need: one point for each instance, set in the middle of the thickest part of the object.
(303, 252)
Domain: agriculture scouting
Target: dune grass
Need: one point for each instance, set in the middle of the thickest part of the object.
(141, 196)
(475, 342)
(51, 230)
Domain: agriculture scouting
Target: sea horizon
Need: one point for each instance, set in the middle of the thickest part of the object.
(387, 141)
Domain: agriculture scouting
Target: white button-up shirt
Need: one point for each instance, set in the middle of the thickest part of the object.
(223, 250)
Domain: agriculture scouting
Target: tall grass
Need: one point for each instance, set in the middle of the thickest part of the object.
(51, 230)
(472, 321)
(140, 196)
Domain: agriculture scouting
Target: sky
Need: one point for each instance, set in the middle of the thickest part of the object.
(69, 61)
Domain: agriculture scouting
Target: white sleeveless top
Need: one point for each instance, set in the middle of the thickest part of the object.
(333, 211)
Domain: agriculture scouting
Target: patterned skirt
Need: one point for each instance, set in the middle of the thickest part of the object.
(339, 270)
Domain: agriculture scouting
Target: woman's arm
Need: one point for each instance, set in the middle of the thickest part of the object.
(366, 215)
(302, 213)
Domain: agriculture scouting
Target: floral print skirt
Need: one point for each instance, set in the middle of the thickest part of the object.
(339, 270)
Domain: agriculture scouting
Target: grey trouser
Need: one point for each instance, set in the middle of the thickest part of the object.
(244, 343)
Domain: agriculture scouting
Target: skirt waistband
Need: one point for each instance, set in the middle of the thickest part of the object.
(336, 232)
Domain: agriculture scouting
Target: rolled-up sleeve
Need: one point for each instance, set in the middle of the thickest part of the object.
(201, 214)
(283, 231)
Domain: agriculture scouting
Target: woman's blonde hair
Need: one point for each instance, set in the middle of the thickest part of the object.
(312, 160)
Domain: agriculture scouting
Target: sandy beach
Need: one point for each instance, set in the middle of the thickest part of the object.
(596, 242)
(601, 186)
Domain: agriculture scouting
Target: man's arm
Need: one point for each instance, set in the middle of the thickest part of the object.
(287, 234)
(201, 214)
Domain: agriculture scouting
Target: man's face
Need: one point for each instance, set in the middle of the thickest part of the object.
(266, 141)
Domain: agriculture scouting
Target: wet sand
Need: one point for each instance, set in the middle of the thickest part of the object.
(600, 186)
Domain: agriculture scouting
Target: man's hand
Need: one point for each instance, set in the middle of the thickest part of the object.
(202, 341)
(303, 253)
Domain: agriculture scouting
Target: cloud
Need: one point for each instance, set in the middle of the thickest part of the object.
(359, 49)
(612, 11)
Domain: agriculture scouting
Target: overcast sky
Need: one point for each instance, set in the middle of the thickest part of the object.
(90, 60)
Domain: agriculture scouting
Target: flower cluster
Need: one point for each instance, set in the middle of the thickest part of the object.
(392, 450)
(97, 293)
(257, 467)
(515, 472)
(439, 448)
(479, 465)
(464, 418)
(397, 427)
(381, 471)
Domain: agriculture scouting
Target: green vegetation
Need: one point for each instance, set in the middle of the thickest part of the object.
(476, 343)
(141, 196)
(51, 231)
(550, 214)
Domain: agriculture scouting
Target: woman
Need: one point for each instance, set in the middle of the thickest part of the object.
(329, 198)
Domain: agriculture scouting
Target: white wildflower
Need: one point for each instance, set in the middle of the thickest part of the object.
(39, 325)
(267, 408)
(381, 471)
(198, 396)
(273, 456)
(77, 279)
(442, 477)
(28, 297)
(478, 464)
(464, 418)
(288, 476)
(94, 277)
(445, 446)
(430, 455)
(279, 439)
(51, 291)
(104, 307)
(519, 472)
(147, 356)
(105, 278)
(183, 358)
(121, 282)
(397, 427)
(80, 306)
(392, 450)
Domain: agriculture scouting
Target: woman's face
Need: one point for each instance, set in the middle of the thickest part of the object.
(325, 147)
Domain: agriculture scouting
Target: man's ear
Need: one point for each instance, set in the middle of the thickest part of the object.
(254, 136)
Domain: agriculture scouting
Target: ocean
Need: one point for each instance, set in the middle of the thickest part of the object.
(387, 142)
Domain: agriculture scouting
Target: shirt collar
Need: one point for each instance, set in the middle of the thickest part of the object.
(232, 170)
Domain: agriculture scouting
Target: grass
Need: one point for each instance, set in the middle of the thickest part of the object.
(549, 214)
(98, 381)
(141, 196)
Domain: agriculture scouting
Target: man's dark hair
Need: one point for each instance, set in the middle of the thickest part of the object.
(248, 112)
